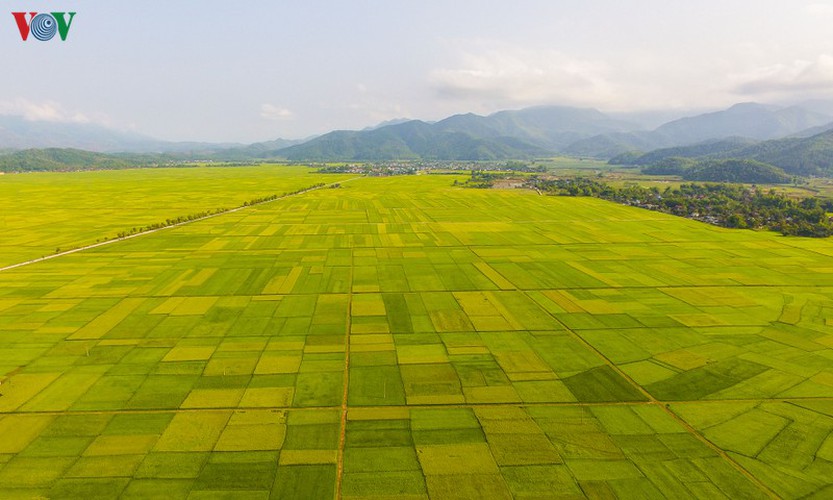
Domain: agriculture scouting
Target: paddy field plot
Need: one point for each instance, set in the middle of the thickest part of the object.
(399, 337)
(43, 212)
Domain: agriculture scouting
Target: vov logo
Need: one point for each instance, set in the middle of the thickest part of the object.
(44, 26)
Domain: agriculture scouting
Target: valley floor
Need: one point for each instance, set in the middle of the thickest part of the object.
(400, 337)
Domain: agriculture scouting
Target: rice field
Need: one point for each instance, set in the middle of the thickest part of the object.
(43, 213)
(399, 337)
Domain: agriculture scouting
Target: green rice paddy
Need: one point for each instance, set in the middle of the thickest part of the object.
(399, 337)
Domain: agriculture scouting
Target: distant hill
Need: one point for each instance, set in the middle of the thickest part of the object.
(650, 120)
(674, 165)
(823, 106)
(518, 134)
(722, 147)
(19, 133)
(57, 159)
(747, 120)
(409, 141)
(738, 171)
(611, 145)
(810, 132)
(752, 120)
(550, 127)
(507, 134)
(256, 151)
(805, 156)
(801, 156)
(395, 121)
(797, 156)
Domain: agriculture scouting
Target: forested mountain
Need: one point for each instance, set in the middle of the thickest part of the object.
(737, 171)
(751, 120)
(57, 159)
(611, 145)
(747, 120)
(507, 134)
(19, 133)
(725, 147)
(410, 141)
(804, 156)
(741, 131)
(795, 156)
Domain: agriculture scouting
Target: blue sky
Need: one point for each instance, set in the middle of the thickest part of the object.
(258, 70)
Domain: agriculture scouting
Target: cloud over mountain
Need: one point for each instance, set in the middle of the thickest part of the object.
(509, 74)
(814, 76)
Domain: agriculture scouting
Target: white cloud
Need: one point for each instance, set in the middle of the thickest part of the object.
(819, 9)
(46, 111)
(814, 77)
(272, 112)
(509, 74)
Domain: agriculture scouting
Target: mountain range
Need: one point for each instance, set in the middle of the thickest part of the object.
(746, 120)
(17, 133)
(802, 156)
(530, 132)
(547, 130)
(526, 133)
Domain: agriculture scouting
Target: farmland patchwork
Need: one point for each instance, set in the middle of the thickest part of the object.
(402, 337)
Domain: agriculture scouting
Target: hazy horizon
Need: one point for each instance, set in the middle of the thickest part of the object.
(224, 72)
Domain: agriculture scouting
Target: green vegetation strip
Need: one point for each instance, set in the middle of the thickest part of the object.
(721, 204)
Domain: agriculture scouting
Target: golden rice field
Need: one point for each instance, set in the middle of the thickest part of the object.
(402, 338)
